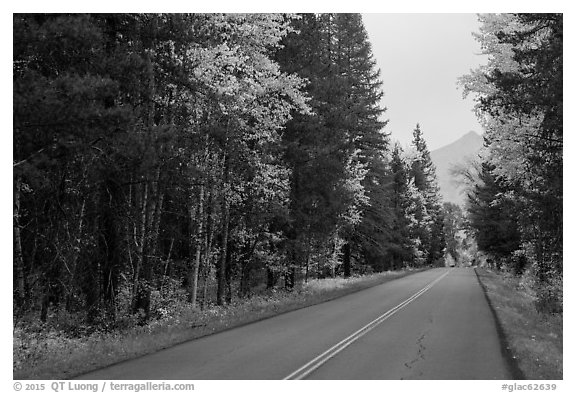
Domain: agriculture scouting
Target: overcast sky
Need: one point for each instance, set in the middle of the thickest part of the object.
(421, 57)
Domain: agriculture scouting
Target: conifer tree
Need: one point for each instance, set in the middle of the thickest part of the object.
(492, 216)
(400, 245)
(367, 235)
(430, 218)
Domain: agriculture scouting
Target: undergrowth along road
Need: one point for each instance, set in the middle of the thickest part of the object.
(53, 355)
(534, 339)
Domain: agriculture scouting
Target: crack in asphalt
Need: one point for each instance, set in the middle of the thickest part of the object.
(420, 353)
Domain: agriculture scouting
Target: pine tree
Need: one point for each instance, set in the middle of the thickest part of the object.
(493, 216)
(367, 235)
(315, 145)
(400, 244)
(430, 219)
(337, 155)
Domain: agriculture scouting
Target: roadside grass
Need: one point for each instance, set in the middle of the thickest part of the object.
(534, 339)
(51, 354)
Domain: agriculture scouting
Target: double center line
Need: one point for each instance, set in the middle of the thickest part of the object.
(319, 360)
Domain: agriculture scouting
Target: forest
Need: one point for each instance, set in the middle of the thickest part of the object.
(163, 161)
(208, 153)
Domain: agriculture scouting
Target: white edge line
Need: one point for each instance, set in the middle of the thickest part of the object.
(319, 360)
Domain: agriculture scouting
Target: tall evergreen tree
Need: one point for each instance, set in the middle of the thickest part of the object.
(430, 218)
(313, 145)
(367, 233)
(492, 216)
(337, 155)
(400, 244)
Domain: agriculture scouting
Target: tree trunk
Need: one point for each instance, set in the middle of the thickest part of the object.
(130, 233)
(270, 278)
(141, 289)
(290, 278)
(346, 259)
(45, 303)
(197, 243)
(307, 261)
(167, 265)
(110, 268)
(144, 271)
(18, 256)
(91, 279)
(246, 267)
(245, 278)
(138, 292)
(225, 223)
(206, 276)
(156, 224)
(74, 268)
(228, 275)
(208, 241)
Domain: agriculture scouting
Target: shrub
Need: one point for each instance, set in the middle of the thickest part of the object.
(549, 296)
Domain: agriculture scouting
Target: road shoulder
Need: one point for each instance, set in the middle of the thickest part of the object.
(530, 341)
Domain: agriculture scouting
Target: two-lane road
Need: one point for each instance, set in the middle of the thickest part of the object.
(434, 324)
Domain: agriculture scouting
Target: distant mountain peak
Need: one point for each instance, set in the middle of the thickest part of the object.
(466, 138)
(456, 153)
(471, 135)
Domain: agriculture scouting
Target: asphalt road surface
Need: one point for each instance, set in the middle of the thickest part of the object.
(434, 324)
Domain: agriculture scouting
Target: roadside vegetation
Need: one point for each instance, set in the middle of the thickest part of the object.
(54, 350)
(515, 189)
(533, 335)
